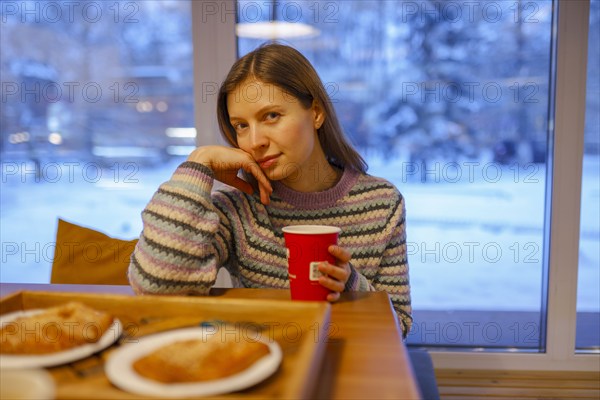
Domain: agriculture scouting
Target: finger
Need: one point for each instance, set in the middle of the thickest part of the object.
(338, 272)
(242, 185)
(264, 185)
(340, 253)
(333, 297)
(253, 169)
(332, 284)
(264, 195)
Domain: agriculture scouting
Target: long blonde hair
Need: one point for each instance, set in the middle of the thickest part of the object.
(286, 68)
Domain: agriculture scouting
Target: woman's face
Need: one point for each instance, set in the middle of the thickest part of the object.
(274, 127)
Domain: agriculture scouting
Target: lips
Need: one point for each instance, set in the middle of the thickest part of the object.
(266, 162)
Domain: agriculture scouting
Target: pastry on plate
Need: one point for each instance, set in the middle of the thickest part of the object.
(197, 360)
(54, 329)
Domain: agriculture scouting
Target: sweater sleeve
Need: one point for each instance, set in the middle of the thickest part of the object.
(392, 276)
(183, 241)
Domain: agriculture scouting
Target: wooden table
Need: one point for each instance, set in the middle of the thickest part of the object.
(365, 357)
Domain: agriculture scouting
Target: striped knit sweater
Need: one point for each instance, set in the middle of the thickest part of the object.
(190, 231)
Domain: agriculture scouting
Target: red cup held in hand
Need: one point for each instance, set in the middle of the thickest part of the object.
(307, 246)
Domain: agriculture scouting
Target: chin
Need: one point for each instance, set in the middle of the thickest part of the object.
(274, 175)
(289, 172)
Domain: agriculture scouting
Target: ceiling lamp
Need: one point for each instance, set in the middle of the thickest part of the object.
(271, 30)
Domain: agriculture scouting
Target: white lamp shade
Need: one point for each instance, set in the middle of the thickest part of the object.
(275, 30)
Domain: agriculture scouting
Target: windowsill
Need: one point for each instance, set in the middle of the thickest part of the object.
(493, 330)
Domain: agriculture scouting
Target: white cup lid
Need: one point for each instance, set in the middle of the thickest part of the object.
(311, 229)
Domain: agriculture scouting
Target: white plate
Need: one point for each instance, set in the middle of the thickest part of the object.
(120, 371)
(61, 357)
(33, 384)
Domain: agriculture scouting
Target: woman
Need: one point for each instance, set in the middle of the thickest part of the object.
(297, 169)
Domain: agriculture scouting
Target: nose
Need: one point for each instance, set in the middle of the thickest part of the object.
(258, 138)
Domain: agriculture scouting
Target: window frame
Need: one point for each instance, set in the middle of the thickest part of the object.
(215, 50)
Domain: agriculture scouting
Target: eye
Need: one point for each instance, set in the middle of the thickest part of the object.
(238, 126)
(272, 116)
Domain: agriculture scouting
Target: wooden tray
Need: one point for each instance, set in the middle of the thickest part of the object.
(300, 329)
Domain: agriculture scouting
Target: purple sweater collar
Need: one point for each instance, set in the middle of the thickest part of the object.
(313, 200)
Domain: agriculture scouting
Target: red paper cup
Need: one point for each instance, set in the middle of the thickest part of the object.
(307, 246)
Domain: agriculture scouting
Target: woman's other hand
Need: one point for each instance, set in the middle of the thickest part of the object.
(226, 162)
(336, 275)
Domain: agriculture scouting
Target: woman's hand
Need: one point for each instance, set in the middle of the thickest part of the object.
(335, 276)
(226, 162)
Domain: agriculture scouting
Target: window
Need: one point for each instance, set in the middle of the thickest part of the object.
(450, 102)
(21, 194)
(588, 299)
(97, 108)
